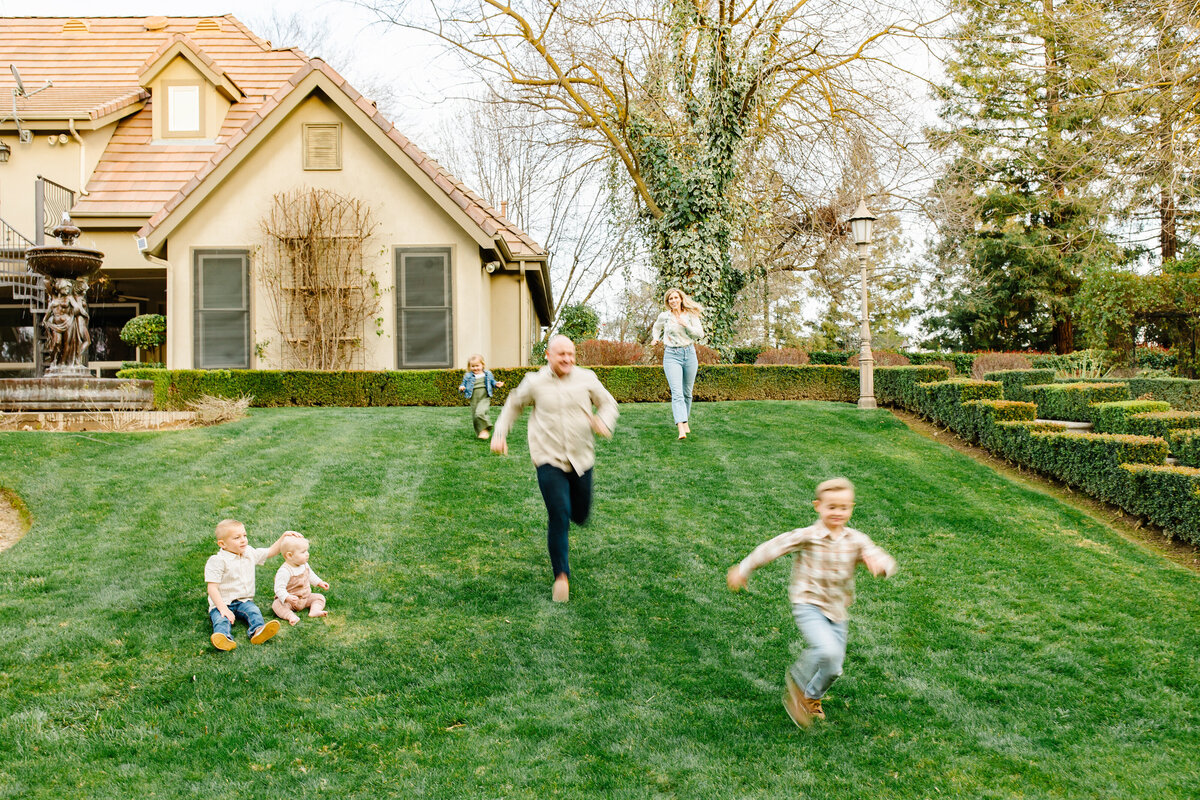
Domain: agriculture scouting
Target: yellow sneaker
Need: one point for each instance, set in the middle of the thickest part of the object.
(223, 642)
(265, 632)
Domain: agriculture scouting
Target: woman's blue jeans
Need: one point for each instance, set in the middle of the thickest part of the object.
(680, 364)
(821, 662)
(244, 610)
(568, 499)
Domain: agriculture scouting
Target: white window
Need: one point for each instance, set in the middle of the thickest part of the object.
(183, 110)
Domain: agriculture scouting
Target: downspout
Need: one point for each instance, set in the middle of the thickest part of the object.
(521, 317)
(82, 156)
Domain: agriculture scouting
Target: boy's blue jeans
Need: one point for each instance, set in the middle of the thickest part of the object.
(680, 365)
(245, 610)
(568, 499)
(821, 662)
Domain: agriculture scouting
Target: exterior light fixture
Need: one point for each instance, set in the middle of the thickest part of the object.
(5, 152)
(862, 226)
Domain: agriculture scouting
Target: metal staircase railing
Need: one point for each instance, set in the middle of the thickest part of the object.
(14, 272)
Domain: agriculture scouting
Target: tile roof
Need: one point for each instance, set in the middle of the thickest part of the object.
(98, 73)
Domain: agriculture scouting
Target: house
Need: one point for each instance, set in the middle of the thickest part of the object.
(251, 195)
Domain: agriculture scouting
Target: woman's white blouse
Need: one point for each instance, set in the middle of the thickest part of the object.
(674, 333)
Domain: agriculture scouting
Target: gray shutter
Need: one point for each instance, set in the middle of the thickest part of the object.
(222, 292)
(423, 309)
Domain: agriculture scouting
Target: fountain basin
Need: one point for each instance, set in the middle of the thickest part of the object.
(55, 261)
(70, 393)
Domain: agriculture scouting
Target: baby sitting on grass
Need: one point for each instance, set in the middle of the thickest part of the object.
(294, 582)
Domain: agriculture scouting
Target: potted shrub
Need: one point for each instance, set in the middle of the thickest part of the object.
(148, 332)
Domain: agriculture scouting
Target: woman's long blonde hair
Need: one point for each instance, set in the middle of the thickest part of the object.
(686, 304)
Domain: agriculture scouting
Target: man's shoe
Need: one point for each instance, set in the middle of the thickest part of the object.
(265, 632)
(562, 589)
(794, 704)
(223, 642)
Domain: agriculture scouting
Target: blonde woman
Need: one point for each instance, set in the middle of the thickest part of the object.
(678, 328)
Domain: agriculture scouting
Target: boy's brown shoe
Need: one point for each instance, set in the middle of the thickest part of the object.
(794, 704)
(223, 642)
(265, 632)
(813, 706)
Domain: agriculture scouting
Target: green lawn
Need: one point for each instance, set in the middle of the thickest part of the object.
(1024, 650)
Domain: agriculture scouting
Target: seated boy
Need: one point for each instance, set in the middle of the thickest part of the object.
(230, 577)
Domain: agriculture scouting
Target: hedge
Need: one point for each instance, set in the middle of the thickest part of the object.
(1185, 446)
(1015, 381)
(1161, 423)
(962, 361)
(1167, 496)
(1014, 440)
(1181, 393)
(1092, 461)
(175, 388)
(830, 357)
(1072, 401)
(897, 386)
(1114, 417)
(942, 401)
(982, 416)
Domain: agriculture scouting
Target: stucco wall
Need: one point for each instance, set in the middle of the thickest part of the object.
(58, 162)
(229, 218)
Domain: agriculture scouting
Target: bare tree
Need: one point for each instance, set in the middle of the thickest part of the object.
(319, 292)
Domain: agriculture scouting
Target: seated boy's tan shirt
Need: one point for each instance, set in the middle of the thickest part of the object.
(233, 574)
(823, 570)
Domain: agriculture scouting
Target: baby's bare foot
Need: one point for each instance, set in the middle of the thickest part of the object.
(320, 613)
(292, 620)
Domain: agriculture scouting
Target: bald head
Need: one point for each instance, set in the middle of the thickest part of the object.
(560, 355)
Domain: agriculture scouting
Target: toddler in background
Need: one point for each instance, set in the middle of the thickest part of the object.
(477, 386)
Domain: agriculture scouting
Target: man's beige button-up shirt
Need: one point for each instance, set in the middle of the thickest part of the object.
(560, 429)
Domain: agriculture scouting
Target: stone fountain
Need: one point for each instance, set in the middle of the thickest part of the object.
(68, 384)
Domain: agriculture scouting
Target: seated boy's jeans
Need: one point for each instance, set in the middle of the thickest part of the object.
(245, 610)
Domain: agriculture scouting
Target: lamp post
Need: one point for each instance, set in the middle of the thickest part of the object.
(861, 225)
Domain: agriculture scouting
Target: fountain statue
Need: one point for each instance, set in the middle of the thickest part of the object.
(68, 384)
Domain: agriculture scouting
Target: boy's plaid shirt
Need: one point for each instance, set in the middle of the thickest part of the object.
(823, 570)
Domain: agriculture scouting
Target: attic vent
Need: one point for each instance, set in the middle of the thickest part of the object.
(155, 23)
(208, 25)
(323, 145)
(75, 26)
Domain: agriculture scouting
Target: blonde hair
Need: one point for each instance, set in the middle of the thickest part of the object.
(685, 303)
(292, 541)
(834, 485)
(477, 357)
(227, 527)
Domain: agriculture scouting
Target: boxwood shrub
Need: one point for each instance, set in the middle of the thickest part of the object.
(1072, 401)
(1185, 446)
(1161, 423)
(982, 416)
(1181, 393)
(1014, 440)
(942, 401)
(1092, 461)
(897, 386)
(1015, 381)
(962, 361)
(1167, 496)
(1114, 417)
(175, 388)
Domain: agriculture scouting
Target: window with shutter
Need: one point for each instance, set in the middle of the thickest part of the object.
(222, 301)
(423, 311)
(322, 145)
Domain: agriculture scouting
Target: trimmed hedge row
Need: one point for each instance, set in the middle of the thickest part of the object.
(1181, 393)
(982, 417)
(942, 402)
(1161, 423)
(1114, 417)
(962, 361)
(897, 386)
(1185, 446)
(1167, 496)
(628, 384)
(1072, 401)
(1091, 461)
(1015, 381)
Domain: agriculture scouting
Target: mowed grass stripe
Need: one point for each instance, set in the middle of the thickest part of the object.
(1024, 650)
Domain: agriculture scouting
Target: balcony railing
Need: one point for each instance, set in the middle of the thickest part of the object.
(51, 200)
